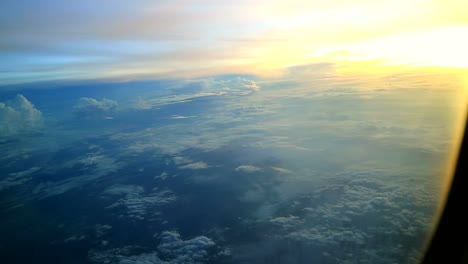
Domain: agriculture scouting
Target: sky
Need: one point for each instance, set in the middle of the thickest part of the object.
(51, 39)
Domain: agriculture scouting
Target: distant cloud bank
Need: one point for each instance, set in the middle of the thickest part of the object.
(172, 249)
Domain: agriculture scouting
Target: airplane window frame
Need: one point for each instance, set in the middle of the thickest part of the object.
(449, 243)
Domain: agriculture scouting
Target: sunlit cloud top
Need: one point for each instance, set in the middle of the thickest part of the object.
(53, 39)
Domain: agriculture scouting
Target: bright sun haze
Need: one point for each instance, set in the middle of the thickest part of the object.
(86, 39)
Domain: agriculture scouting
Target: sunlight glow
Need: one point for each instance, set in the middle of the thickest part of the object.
(257, 37)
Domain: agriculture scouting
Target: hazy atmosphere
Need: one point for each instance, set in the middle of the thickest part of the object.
(216, 132)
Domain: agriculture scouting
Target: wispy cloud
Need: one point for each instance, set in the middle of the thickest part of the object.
(248, 168)
(195, 166)
(17, 178)
(96, 164)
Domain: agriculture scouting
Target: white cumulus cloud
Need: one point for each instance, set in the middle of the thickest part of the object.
(184, 251)
(88, 106)
(286, 222)
(19, 115)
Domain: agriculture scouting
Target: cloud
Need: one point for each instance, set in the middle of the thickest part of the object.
(102, 230)
(178, 160)
(184, 251)
(282, 170)
(181, 96)
(248, 168)
(179, 117)
(136, 204)
(123, 189)
(17, 178)
(286, 222)
(253, 86)
(186, 163)
(195, 166)
(19, 116)
(353, 210)
(74, 238)
(172, 249)
(163, 176)
(90, 106)
(96, 164)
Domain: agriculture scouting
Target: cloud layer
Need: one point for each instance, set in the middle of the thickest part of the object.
(172, 249)
(359, 214)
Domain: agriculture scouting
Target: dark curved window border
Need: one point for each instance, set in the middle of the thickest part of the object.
(449, 244)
